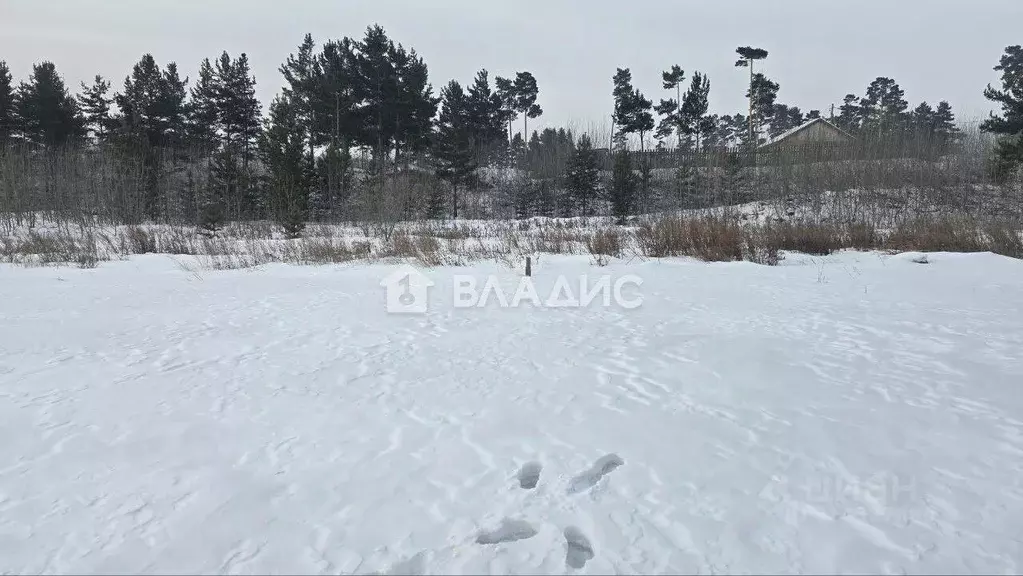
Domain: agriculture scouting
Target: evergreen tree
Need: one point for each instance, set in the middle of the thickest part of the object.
(747, 56)
(1009, 124)
(414, 104)
(152, 103)
(850, 114)
(239, 118)
(669, 109)
(526, 93)
(95, 106)
(714, 134)
(485, 117)
(923, 119)
(454, 140)
(623, 185)
(632, 113)
(238, 108)
(694, 107)
(336, 174)
(379, 88)
(763, 94)
(784, 118)
(623, 118)
(945, 124)
(583, 176)
(7, 108)
(303, 76)
(884, 108)
(509, 102)
(282, 147)
(172, 106)
(48, 115)
(203, 123)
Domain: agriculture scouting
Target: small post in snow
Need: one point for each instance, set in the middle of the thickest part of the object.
(529, 266)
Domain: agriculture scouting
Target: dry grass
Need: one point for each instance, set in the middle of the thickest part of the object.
(808, 238)
(947, 234)
(714, 237)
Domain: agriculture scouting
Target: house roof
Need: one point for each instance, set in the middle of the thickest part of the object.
(804, 126)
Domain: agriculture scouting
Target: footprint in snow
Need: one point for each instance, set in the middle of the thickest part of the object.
(580, 550)
(508, 531)
(600, 468)
(529, 475)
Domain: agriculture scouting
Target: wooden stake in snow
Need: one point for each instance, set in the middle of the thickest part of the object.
(529, 266)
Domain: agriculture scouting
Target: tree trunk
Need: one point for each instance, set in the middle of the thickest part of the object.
(751, 101)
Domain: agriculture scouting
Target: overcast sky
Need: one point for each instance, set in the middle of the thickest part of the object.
(820, 50)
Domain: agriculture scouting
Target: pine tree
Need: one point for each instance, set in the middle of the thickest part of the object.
(302, 73)
(454, 140)
(670, 109)
(335, 171)
(624, 116)
(747, 56)
(884, 108)
(623, 185)
(203, 123)
(1009, 124)
(152, 103)
(95, 106)
(485, 117)
(237, 104)
(172, 108)
(415, 105)
(694, 107)
(509, 102)
(850, 114)
(378, 89)
(763, 94)
(632, 110)
(945, 125)
(239, 115)
(526, 93)
(784, 118)
(7, 110)
(583, 176)
(282, 147)
(923, 119)
(48, 115)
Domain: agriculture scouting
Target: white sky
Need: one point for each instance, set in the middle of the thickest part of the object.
(819, 49)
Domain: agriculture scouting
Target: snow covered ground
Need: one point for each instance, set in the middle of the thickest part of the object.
(855, 413)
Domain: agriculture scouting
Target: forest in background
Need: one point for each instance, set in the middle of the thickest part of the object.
(360, 133)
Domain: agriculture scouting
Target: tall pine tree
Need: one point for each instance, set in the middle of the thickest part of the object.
(48, 115)
(694, 107)
(454, 140)
(747, 56)
(203, 124)
(7, 117)
(282, 147)
(95, 106)
(1008, 125)
(623, 185)
(670, 109)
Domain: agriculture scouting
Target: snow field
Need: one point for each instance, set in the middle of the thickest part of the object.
(853, 413)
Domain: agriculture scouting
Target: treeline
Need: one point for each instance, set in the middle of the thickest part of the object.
(359, 131)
